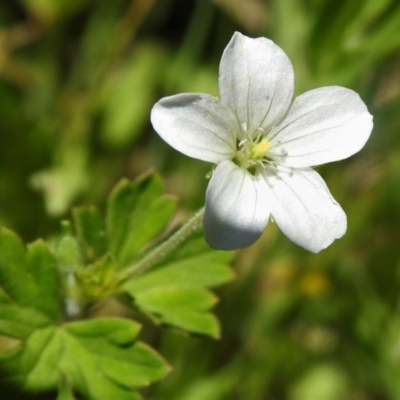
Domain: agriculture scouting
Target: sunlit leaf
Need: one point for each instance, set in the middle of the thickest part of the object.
(182, 307)
(206, 270)
(28, 278)
(136, 214)
(175, 294)
(19, 322)
(99, 357)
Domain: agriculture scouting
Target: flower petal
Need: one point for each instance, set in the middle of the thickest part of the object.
(236, 207)
(322, 125)
(256, 81)
(304, 209)
(197, 125)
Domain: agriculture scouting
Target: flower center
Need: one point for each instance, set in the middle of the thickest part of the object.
(258, 150)
(251, 153)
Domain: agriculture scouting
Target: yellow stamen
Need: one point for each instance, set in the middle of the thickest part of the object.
(260, 148)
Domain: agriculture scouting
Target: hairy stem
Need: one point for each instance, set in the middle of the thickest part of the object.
(165, 248)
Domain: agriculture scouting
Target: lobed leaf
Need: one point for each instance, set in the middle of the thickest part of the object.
(28, 278)
(97, 358)
(186, 308)
(175, 292)
(42, 266)
(136, 214)
(206, 270)
(19, 322)
(14, 269)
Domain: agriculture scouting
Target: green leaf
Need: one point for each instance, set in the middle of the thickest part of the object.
(28, 278)
(183, 307)
(136, 214)
(14, 269)
(42, 266)
(206, 270)
(97, 358)
(90, 231)
(19, 322)
(174, 292)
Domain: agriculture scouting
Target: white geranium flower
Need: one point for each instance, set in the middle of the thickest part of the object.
(263, 144)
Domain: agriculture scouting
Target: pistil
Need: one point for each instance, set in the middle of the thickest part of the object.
(251, 152)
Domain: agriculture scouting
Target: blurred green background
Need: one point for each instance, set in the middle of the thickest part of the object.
(77, 81)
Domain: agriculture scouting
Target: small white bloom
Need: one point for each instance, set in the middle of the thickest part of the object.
(264, 144)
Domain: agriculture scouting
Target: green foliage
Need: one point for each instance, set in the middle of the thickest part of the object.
(97, 358)
(90, 231)
(28, 279)
(175, 292)
(136, 214)
(101, 357)
(182, 307)
(77, 82)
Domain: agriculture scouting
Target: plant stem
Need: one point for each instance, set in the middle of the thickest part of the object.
(165, 248)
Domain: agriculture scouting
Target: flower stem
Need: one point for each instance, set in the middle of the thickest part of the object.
(165, 248)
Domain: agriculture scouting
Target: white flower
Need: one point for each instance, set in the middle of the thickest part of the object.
(263, 144)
